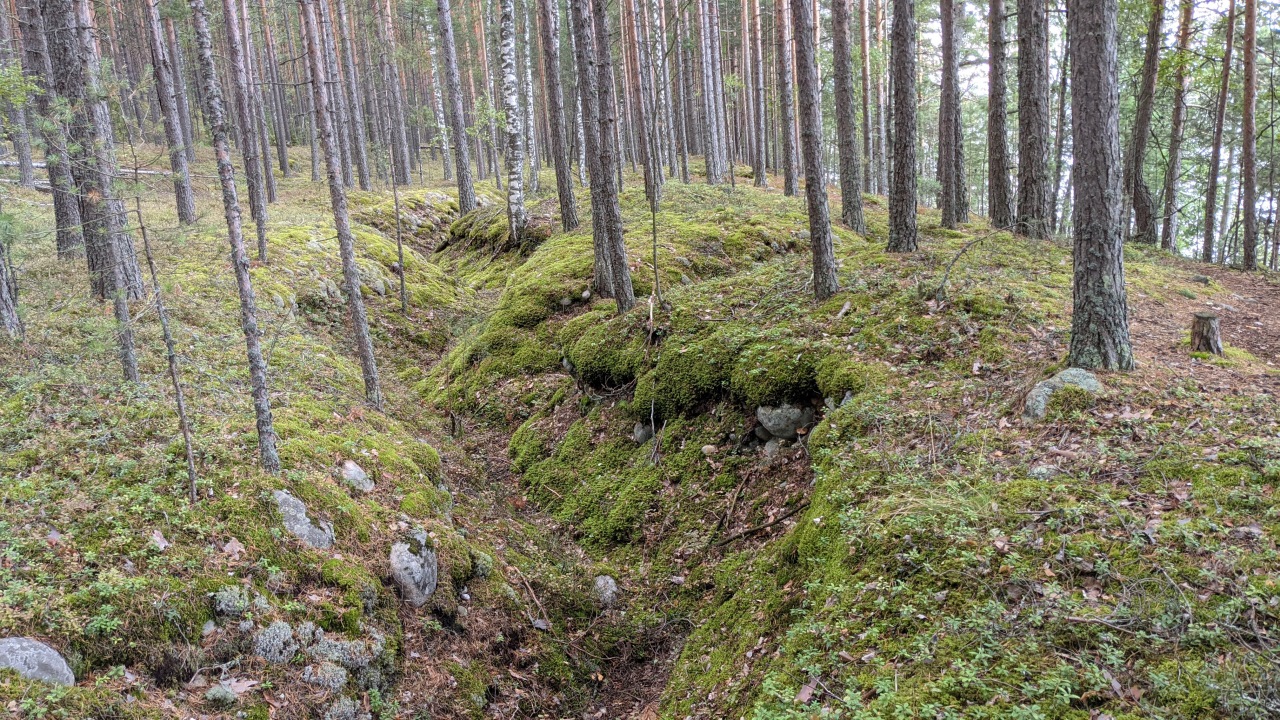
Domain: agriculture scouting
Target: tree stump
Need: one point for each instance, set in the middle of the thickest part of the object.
(1204, 333)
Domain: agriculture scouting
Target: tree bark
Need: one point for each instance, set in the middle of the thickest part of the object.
(1215, 153)
(998, 202)
(338, 199)
(1181, 88)
(623, 294)
(1136, 190)
(162, 69)
(1248, 153)
(824, 262)
(18, 130)
(1205, 335)
(457, 122)
(1099, 321)
(787, 119)
(180, 90)
(244, 116)
(549, 22)
(10, 319)
(950, 149)
(1033, 119)
(846, 121)
(864, 38)
(267, 453)
(902, 181)
(584, 50)
(399, 142)
(517, 218)
(75, 59)
(39, 71)
(351, 84)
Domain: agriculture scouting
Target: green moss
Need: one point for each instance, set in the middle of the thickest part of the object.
(687, 375)
(428, 502)
(776, 368)
(1069, 401)
(837, 374)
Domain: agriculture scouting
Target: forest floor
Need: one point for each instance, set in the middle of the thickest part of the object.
(920, 550)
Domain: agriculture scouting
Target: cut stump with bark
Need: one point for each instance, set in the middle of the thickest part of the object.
(1204, 334)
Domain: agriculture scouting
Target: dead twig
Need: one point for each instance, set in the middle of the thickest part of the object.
(758, 528)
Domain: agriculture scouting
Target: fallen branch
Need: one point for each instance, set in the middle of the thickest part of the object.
(766, 526)
(941, 292)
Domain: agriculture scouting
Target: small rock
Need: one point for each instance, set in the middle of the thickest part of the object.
(605, 591)
(1202, 279)
(586, 295)
(803, 234)
(34, 660)
(297, 522)
(355, 477)
(685, 279)
(1038, 398)
(1044, 472)
(641, 433)
(380, 287)
(772, 448)
(414, 570)
(220, 695)
(762, 433)
(785, 420)
(708, 450)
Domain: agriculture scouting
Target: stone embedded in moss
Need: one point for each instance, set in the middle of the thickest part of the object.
(1077, 389)
(775, 371)
(838, 374)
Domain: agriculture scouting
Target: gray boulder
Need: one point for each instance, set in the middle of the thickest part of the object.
(34, 660)
(413, 568)
(296, 521)
(1038, 398)
(641, 433)
(355, 477)
(605, 591)
(785, 420)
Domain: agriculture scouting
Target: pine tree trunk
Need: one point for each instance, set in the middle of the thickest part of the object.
(244, 116)
(113, 266)
(258, 108)
(39, 71)
(950, 158)
(268, 456)
(338, 199)
(790, 182)
(163, 71)
(1248, 154)
(825, 283)
(1215, 154)
(18, 130)
(1033, 119)
(437, 109)
(846, 120)
(1000, 212)
(517, 218)
(642, 100)
(1181, 88)
(610, 163)
(1060, 136)
(10, 319)
(902, 181)
(1136, 190)
(549, 27)
(1099, 321)
(457, 122)
(359, 150)
(271, 73)
(180, 89)
(399, 141)
(584, 51)
(864, 57)
(73, 55)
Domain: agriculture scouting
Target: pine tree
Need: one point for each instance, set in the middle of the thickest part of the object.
(1181, 88)
(1000, 212)
(268, 456)
(1215, 153)
(825, 283)
(954, 202)
(549, 22)
(1248, 154)
(1136, 190)
(1033, 119)
(902, 181)
(846, 122)
(338, 200)
(457, 122)
(10, 319)
(1099, 320)
(787, 117)
(240, 86)
(162, 69)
